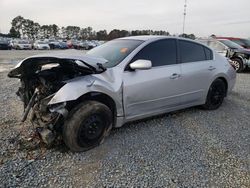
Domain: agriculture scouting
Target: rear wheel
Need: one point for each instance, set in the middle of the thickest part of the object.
(216, 95)
(238, 64)
(87, 126)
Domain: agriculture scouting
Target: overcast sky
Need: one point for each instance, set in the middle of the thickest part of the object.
(204, 17)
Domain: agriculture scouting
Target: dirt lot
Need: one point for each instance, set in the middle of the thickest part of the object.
(188, 148)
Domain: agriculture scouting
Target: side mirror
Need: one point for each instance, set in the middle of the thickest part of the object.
(141, 64)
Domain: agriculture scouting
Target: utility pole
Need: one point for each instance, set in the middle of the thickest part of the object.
(184, 16)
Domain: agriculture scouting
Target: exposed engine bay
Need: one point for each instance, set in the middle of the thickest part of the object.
(40, 79)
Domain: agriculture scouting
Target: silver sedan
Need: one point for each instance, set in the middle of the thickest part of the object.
(82, 96)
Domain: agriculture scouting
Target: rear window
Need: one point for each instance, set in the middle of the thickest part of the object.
(208, 53)
(191, 52)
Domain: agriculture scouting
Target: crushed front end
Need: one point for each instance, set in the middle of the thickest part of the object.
(41, 78)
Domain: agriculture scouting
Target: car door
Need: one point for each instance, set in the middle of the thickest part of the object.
(157, 89)
(197, 69)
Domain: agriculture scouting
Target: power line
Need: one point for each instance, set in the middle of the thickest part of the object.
(237, 22)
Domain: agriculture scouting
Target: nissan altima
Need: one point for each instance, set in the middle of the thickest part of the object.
(83, 96)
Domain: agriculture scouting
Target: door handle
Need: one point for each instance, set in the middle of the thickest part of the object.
(174, 76)
(211, 68)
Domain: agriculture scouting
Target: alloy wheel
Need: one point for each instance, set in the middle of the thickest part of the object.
(236, 64)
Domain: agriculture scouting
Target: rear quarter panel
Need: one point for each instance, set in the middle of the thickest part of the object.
(224, 70)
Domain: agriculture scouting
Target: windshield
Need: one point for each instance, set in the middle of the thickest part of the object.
(243, 42)
(115, 51)
(230, 44)
(238, 41)
(23, 42)
(3, 41)
(246, 42)
(41, 42)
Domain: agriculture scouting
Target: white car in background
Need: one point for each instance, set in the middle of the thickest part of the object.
(41, 45)
(22, 45)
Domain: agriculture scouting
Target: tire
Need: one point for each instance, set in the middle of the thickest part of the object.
(87, 125)
(52, 46)
(216, 95)
(237, 64)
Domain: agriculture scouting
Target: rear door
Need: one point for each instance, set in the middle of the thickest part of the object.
(197, 69)
(157, 89)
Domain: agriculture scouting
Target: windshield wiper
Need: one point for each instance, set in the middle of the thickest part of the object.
(92, 68)
(89, 66)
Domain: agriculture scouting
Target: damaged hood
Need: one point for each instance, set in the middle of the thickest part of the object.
(77, 57)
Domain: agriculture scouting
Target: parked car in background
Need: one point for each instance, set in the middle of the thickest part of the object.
(21, 45)
(82, 96)
(245, 43)
(63, 45)
(4, 44)
(41, 45)
(86, 45)
(95, 43)
(101, 42)
(240, 57)
(53, 44)
(82, 45)
(73, 44)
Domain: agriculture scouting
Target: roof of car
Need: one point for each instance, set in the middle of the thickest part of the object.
(147, 37)
(212, 39)
(229, 38)
(156, 37)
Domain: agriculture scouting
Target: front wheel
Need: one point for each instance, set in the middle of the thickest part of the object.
(216, 95)
(87, 126)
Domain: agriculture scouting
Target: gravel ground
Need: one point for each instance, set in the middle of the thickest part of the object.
(188, 148)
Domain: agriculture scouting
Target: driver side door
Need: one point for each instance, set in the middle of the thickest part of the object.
(153, 91)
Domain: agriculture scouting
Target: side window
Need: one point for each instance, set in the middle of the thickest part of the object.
(160, 53)
(191, 52)
(209, 53)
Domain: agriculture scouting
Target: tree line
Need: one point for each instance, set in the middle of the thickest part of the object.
(22, 27)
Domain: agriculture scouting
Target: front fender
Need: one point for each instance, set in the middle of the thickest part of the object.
(80, 86)
(72, 90)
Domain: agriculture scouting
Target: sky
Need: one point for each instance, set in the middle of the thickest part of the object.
(219, 17)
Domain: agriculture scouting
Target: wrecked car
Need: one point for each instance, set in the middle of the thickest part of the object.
(83, 96)
(239, 56)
